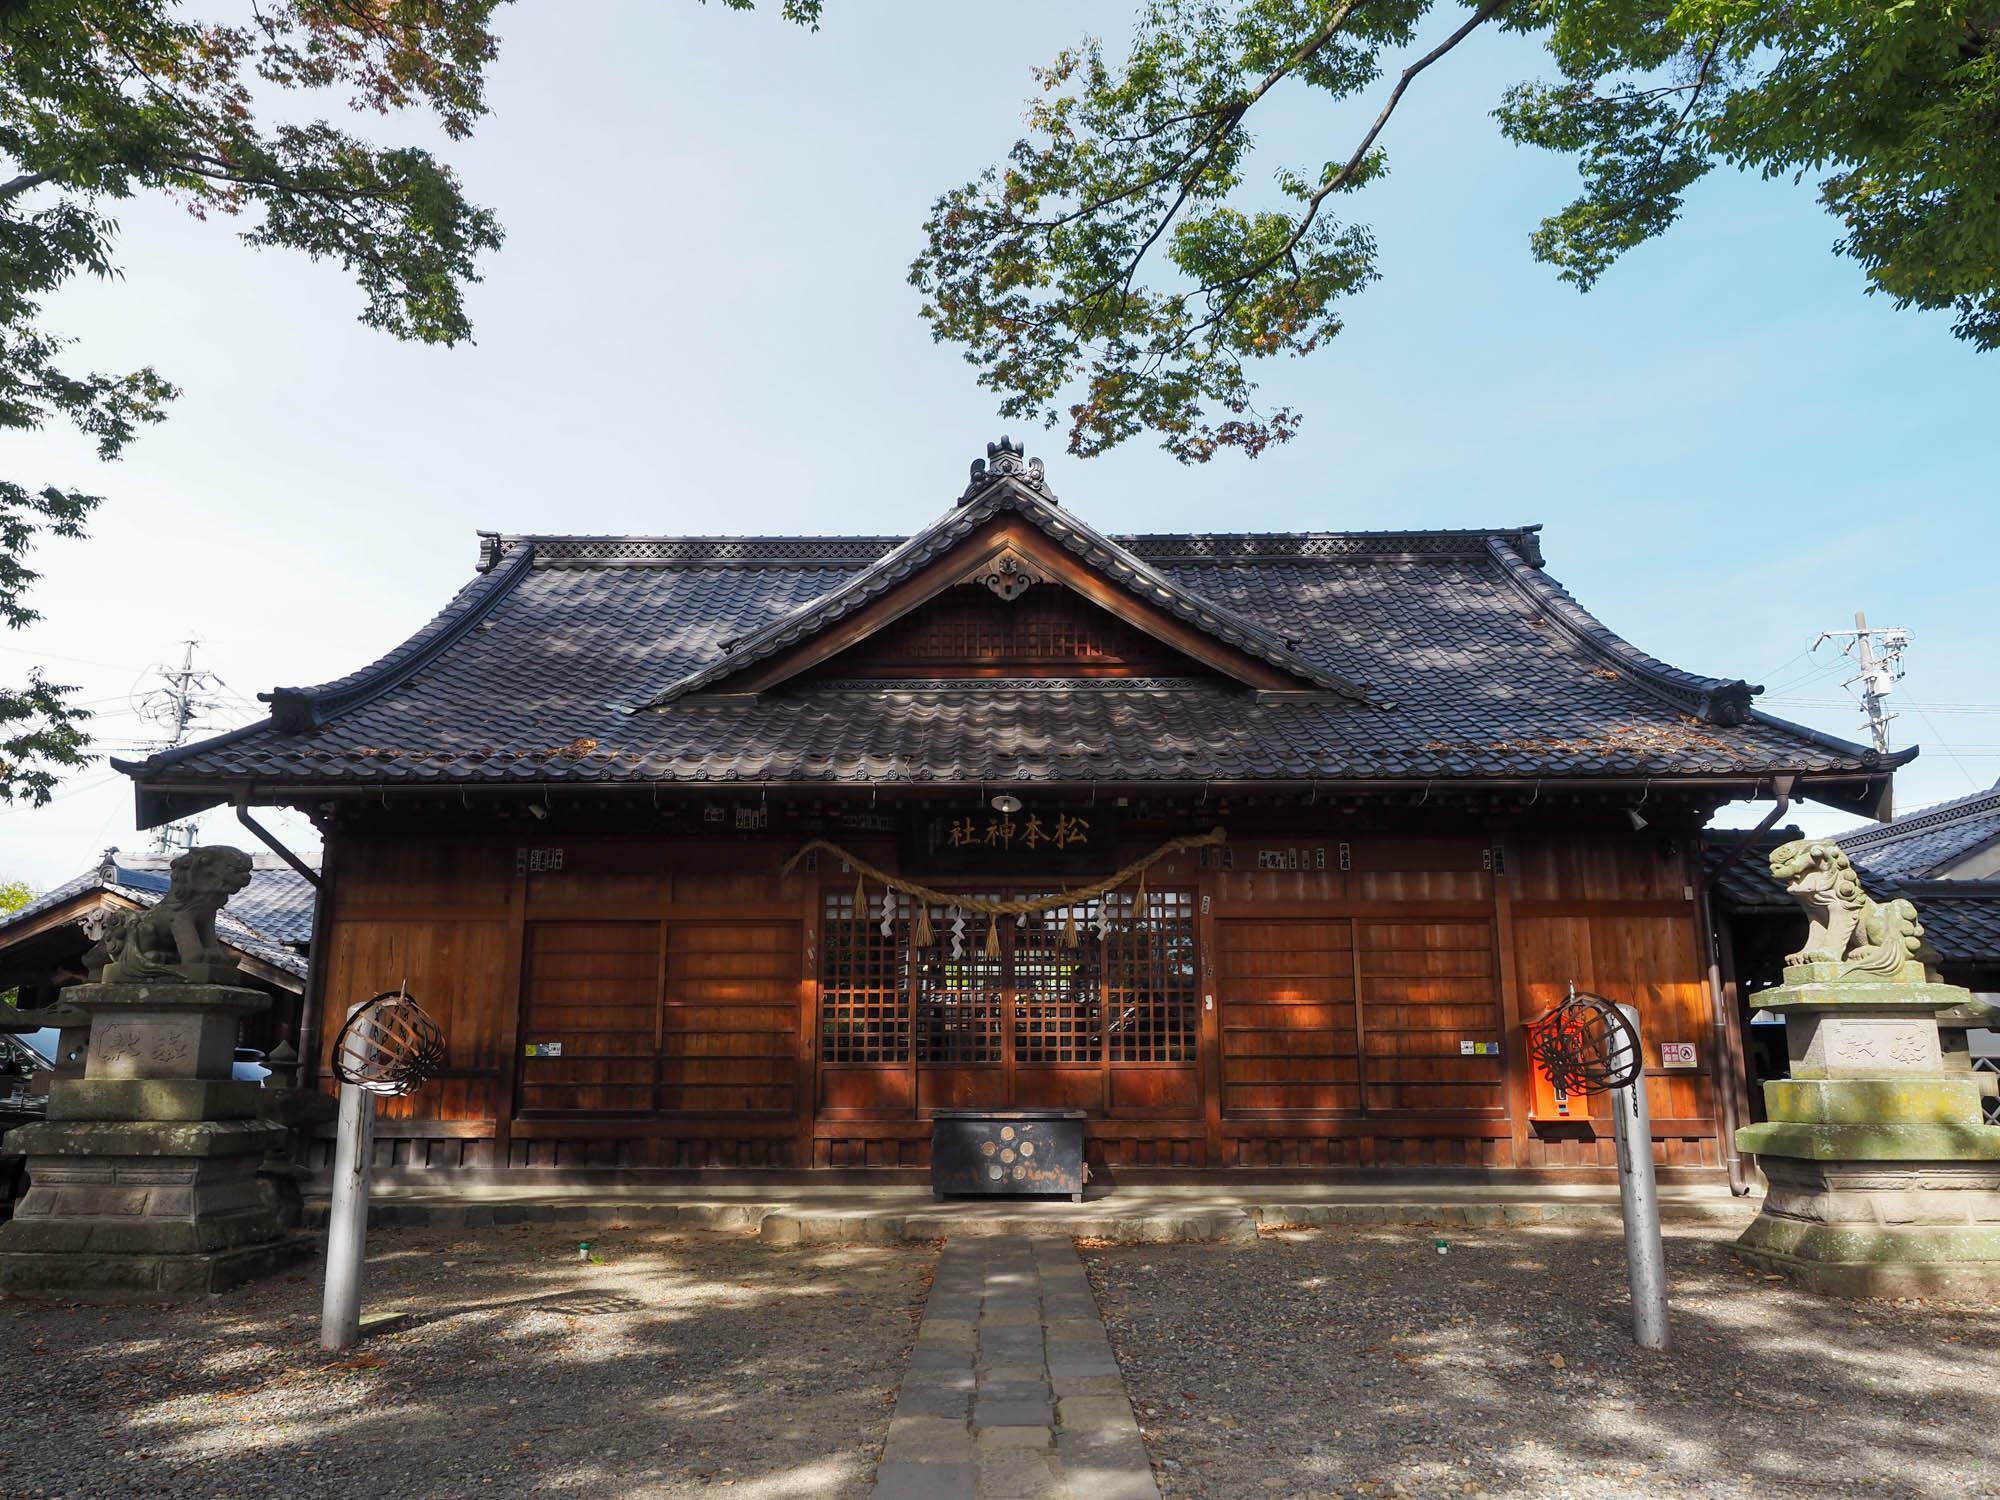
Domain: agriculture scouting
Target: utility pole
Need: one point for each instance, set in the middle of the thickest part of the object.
(1879, 654)
(185, 699)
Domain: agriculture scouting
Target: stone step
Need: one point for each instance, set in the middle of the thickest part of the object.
(1137, 1217)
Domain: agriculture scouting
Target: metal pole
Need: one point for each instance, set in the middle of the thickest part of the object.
(1639, 1199)
(347, 1220)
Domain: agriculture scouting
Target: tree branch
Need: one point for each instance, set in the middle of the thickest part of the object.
(14, 187)
(1341, 178)
(1694, 97)
(1232, 113)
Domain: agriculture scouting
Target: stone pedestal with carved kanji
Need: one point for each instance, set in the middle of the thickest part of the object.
(1884, 1180)
(143, 1179)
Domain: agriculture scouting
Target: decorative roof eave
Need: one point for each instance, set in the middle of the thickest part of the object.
(1713, 700)
(299, 708)
(1836, 788)
(36, 919)
(1007, 488)
(294, 710)
(1978, 805)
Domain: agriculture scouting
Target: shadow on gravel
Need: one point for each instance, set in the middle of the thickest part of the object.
(684, 1362)
(1359, 1361)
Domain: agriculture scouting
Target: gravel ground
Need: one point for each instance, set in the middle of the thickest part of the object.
(687, 1361)
(1360, 1362)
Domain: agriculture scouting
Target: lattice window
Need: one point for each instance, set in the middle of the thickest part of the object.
(958, 994)
(1149, 989)
(1059, 990)
(864, 994)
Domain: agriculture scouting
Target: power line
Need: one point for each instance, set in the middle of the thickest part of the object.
(80, 661)
(1970, 779)
(1936, 708)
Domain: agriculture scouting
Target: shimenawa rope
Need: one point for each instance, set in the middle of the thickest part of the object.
(993, 908)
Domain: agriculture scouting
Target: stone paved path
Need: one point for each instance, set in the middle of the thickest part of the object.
(1012, 1392)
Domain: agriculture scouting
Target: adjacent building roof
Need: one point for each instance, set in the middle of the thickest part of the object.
(270, 920)
(1743, 882)
(1417, 656)
(1961, 917)
(1929, 841)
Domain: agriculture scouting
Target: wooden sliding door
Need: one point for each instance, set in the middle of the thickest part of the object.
(1347, 1016)
(1291, 1039)
(669, 1018)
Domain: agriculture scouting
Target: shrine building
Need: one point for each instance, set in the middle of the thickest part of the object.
(1261, 849)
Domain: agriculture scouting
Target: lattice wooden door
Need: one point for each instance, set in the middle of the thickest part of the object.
(1106, 1022)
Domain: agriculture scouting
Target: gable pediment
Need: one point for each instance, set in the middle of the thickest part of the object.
(1009, 623)
(1007, 540)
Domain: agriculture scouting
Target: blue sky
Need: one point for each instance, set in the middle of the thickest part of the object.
(700, 322)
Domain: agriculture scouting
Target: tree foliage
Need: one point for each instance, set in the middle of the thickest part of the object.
(1130, 260)
(103, 100)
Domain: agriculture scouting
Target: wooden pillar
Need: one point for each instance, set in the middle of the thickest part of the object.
(510, 1001)
(312, 1006)
(1516, 1082)
(1210, 1034)
(806, 1104)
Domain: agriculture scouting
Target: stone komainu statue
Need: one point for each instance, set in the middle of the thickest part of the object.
(1867, 938)
(174, 939)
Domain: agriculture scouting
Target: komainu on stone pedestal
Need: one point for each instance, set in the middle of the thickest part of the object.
(143, 1180)
(1884, 1179)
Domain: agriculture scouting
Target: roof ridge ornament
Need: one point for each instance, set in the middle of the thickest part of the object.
(1006, 460)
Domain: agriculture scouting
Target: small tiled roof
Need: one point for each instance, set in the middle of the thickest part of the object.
(584, 660)
(1745, 882)
(1961, 917)
(270, 920)
(1921, 843)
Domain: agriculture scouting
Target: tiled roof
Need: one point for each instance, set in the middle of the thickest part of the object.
(1920, 843)
(1745, 883)
(1960, 917)
(270, 919)
(1477, 664)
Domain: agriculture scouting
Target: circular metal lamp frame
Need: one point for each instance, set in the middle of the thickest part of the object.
(1587, 1045)
(388, 1046)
